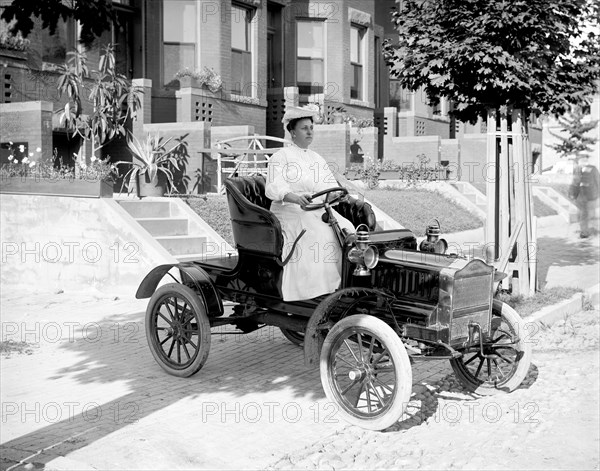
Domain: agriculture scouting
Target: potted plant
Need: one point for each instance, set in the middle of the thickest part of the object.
(207, 78)
(337, 115)
(151, 172)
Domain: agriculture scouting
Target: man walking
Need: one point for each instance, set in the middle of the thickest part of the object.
(585, 189)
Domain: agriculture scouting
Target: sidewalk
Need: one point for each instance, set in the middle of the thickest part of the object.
(563, 258)
(90, 395)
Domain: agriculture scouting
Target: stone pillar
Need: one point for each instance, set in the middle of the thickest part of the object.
(28, 122)
(144, 114)
(390, 116)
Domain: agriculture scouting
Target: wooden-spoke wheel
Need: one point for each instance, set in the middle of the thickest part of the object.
(178, 329)
(506, 355)
(297, 338)
(366, 371)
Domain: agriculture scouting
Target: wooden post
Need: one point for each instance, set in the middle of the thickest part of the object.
(509, 199)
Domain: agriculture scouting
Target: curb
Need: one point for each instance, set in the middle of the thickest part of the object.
(550, 314)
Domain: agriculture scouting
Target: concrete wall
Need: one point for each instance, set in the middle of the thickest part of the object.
(219, 109)
(473, 157)
(51, 242)
(332, 142)
(404, 150)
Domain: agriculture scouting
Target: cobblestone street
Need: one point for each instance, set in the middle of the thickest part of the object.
(551, 422)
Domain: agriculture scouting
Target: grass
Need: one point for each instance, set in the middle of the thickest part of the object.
(526, 306)
(414, 208)
(214, 210)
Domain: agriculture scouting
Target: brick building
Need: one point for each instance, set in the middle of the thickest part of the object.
(267, 54)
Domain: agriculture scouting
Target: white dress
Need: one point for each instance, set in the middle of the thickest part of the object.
(315, 266)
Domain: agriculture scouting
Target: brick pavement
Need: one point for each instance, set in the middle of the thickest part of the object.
(97, 397)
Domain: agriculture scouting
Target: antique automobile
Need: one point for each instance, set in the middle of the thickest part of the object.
(398, 303)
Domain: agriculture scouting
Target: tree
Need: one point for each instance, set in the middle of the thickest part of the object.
(482, 54)
(94, 16)
(575, 141)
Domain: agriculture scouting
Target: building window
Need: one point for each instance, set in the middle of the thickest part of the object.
(241, 50)
(357, 62)
(310, 74)
(400, 97)
(179, 37)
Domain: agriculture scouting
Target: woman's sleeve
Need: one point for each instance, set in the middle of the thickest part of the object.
(277, 186)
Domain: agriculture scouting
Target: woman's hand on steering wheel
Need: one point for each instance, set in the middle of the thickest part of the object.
(295, 198)
(336, 199)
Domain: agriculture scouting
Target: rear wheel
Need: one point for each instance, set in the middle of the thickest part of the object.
(366, 371)
(178, 330)
(297, 338)
(506, 356)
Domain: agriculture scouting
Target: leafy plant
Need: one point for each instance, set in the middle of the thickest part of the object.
(22, 166)
(575, 142)
(412, 174)
(14, 42)
(112, 96)
(151, 157)
(206, 77)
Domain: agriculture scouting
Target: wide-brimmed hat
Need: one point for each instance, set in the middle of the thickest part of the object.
(297, 112)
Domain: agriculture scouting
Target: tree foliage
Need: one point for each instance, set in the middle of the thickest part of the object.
(530, 54)
(95, 16)
(574, 141)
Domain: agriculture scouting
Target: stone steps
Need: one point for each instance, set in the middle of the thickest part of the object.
(176, 228)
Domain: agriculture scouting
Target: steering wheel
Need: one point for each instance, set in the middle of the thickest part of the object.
(313, 206)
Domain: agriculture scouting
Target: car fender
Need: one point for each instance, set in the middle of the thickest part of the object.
(192, 276)
(319, 320)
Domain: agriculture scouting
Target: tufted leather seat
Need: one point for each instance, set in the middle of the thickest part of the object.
(254, 226)
(357, 212)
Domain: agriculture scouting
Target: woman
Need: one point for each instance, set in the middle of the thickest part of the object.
(295, 173)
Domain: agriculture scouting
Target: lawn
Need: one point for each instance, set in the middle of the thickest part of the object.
(414, 208)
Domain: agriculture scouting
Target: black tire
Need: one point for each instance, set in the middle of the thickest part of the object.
(370, 394)
(178, 330)
(297, 338)
(511, 354)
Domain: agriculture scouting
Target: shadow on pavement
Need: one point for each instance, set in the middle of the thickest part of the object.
(261, 362)
(563, 252)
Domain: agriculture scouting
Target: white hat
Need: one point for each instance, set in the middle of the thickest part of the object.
(295, 112)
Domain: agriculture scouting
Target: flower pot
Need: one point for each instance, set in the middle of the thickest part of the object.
(146, 187)
(187, 82)
(56, 187)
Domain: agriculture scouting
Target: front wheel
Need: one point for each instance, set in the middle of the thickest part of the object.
(366, 371)
(178, 329)
(506, 356)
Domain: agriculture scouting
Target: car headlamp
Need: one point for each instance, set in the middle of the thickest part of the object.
(433, 243)
(365, 256)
